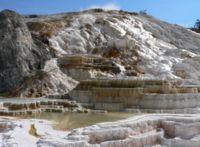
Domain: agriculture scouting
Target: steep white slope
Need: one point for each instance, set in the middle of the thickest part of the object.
(50, 81)
(127, 32)
(115, 44)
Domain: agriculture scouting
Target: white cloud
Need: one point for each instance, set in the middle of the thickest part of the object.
(109, 6)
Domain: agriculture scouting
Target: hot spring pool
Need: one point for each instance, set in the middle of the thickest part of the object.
(68, 121)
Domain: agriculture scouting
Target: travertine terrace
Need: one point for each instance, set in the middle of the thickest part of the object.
(102, 60)
(138, 95)
(147, 130)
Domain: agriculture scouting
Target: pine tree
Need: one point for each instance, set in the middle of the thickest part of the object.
(197, 24)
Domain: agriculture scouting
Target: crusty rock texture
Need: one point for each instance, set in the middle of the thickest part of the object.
(140, 131)
(24, 70)
(49, 81)
(155, 130)
(101, 44)
(19, 55)
(140, 44)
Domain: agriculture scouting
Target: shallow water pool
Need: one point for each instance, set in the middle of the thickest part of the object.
(68, 121)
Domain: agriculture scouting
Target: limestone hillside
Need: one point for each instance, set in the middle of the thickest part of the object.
(49, 54)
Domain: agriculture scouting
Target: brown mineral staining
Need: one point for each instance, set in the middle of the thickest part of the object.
(33, 131)
(46, 29)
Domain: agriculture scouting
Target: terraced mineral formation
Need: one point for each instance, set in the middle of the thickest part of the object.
(113, 60)
(138, 95)
(90, 66)
(26, 106)
(156, 130)
(147, 130)
(37, 51)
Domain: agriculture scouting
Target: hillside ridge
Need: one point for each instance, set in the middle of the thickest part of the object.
(54, 52)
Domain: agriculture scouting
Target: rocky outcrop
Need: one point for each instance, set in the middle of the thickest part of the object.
(141, 44)
(48, 81)
(19, 55)
(107, 44)
(27, 68)
(89, 66)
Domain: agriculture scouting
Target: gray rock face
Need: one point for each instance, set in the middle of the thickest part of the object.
(19, 55)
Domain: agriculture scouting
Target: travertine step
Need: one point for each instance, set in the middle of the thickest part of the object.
(177, 142)
(149, 94)
(64, 103)
(151, 138)
(120, 83)
(185, 90)
(23, 106)
(170, 101)
(164, 130)
(106, 95)
(19, 112)
(87, 105)
(131, 92)
(57, 110)
(52, 106)
(109, 106)
(132, 110)
(171, 111)
(81, 96)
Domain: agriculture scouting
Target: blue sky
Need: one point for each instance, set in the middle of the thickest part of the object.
(182, 12)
